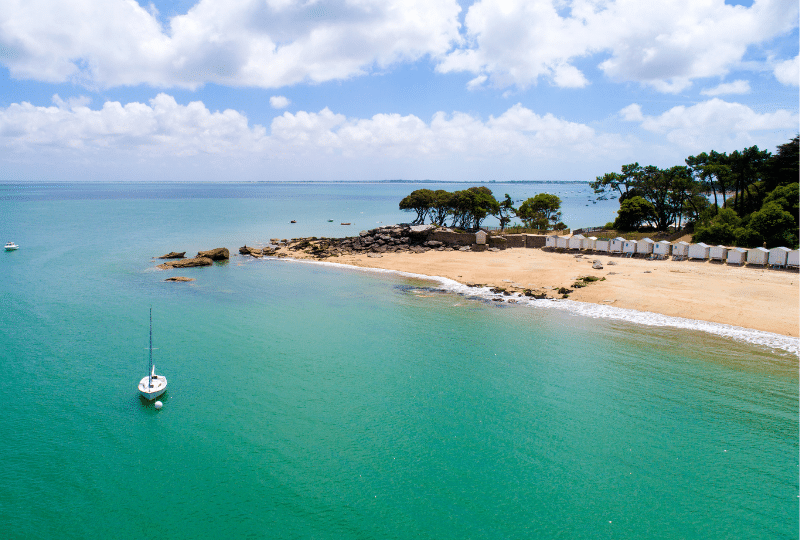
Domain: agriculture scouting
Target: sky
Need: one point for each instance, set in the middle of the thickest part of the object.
(452, 90)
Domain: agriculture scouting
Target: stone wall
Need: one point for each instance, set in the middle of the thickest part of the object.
(453, 238)
(535, 241)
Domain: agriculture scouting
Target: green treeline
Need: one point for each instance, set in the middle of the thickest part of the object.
(745, 198)
(466, 209)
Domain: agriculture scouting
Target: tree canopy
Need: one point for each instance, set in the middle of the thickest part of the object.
(759, 189)
(541, 211)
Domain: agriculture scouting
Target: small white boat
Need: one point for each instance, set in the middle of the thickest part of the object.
(11, 246)
(152, 386)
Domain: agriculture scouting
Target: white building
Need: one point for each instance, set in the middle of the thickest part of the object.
(615, 245)
(644, 246)
(629, 246)
(758, 255)
(562, 242)
(480, 237)
(778, 256)
(737, 255)
(602, 246)
(680, 249)
(551, 241)
(663, 248)
(793, 259)
(576, 241)
(718, 253)
(699, 251)
(589, 243)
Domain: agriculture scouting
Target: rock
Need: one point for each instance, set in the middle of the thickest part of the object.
(174, 255)
(186, 263)
(216, 254)
(255, 252)
(362, 234)
(179, 278)
(374, 255)
(610, 263)
(597, 265)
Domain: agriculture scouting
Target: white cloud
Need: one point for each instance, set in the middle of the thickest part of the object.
(736, 87)
(162, 127)
(716, 124)
(665, 45)
(279, 102)
(632, 113)
(106, 43)
(276, 43)
(788, 72)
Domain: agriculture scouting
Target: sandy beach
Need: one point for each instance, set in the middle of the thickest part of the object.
(756, 298)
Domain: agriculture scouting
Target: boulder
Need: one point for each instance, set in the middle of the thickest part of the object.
(597, 265)
(179, 278)
(174, 255)
(216, 254)
(186, 263)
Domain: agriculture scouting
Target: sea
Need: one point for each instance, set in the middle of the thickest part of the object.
(314, 401)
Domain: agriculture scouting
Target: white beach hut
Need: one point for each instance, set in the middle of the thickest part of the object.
(645, 246)
(758, 255)
(629, 247)
(793, 258)
(699, 251)
(778, 256)
(551, 241)
(737, 255)
(562, 242)
(680, 250)
(576, 241)
(589, 243)
(615, 245)
(662, 248)
(480, 237)
(718, 253)
(602, 245)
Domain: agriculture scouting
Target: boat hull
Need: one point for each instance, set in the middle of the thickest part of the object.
(151, 392)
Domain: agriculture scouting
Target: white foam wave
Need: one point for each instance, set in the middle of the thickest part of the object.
(597, 311)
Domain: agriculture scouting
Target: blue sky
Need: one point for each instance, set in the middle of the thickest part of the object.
(385, 89)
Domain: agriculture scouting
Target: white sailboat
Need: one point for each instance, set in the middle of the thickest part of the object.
(152, 386)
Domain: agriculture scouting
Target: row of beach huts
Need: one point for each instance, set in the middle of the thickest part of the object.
(779, 257)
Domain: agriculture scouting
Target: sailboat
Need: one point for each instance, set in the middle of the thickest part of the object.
(152, 386)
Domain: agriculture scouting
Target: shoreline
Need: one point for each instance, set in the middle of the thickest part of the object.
(752, 298)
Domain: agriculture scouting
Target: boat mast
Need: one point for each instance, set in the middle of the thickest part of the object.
(150, 366)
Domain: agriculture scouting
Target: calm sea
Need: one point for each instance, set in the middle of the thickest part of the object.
(313, 401)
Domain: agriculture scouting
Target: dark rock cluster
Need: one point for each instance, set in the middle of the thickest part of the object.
(203, 258)
(402, 238)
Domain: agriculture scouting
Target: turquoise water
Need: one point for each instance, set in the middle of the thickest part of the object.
(308, 401)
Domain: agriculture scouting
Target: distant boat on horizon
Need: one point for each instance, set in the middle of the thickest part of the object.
(152, 386)
(11, 246)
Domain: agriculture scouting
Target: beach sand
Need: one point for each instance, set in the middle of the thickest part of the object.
(755, 298)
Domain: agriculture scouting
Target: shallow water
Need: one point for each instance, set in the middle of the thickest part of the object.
(315, 401)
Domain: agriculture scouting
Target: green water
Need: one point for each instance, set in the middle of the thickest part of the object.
(314, 402)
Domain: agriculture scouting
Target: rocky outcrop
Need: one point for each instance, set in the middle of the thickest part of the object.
(174, 255)
(179, 278)
(394, 238)
(186, 263)
(216, 254)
